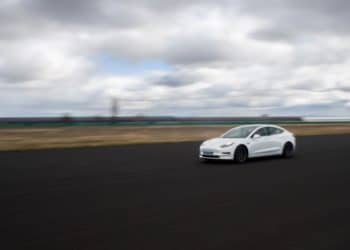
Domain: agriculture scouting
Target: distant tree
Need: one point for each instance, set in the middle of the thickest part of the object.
(66, 118)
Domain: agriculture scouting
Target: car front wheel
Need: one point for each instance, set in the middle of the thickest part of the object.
(241, 154)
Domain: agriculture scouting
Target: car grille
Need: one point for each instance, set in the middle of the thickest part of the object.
(210, 156)
(209, 153)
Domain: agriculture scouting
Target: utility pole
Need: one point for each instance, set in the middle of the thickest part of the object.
(114, 108)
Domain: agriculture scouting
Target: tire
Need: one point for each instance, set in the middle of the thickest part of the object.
(288, 150)
(241, 154)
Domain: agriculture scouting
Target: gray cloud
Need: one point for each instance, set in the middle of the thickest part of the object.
(292, 20)
(197, 48)
(66, 10)
(174, 79)
(270, 34)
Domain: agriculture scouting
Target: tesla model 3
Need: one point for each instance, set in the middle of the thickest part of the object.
(243, 142)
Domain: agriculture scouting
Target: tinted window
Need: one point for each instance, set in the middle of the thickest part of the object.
(274, 131)
(239, 132)
(262, 132)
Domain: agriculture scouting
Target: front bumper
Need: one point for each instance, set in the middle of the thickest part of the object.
(222, 154)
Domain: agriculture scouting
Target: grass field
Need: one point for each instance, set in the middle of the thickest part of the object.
(65, 137)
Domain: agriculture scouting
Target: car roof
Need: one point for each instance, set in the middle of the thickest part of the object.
(259, 125)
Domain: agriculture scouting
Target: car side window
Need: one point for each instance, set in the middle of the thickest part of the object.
(274, 131)
(262, 132)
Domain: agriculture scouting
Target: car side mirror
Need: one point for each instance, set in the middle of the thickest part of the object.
(255, 136)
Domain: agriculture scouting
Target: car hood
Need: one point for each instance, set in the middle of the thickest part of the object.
(217, 142)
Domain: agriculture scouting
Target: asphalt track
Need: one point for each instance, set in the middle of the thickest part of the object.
(160, 197)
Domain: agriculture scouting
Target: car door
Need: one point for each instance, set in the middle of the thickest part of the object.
(259, 145)
(274, 140)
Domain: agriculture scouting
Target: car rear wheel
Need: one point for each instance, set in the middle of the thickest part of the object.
(241, 154)
(288, 150)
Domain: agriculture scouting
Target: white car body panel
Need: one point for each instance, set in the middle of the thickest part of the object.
(267, 145)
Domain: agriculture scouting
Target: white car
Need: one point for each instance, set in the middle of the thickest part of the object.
(243, 142)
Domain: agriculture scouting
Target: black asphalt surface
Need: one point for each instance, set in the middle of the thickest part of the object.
(160, 197)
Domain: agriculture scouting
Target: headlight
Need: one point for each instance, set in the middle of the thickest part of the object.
(229, 144)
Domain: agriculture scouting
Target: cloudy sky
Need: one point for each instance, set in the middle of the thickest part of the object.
(175, 57)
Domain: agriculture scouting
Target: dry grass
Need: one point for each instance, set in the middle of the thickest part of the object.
(40, 138)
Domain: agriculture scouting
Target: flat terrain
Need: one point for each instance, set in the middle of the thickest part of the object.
(66, 137)
(159, 196)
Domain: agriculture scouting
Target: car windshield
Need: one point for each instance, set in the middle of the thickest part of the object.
(239, 132)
